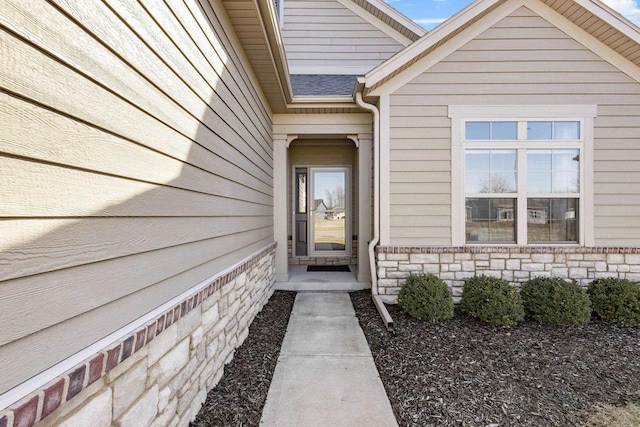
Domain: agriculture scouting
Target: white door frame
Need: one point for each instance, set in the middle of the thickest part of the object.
(311, 252)
(347, 208)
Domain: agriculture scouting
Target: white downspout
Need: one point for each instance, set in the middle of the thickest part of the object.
(377, 300)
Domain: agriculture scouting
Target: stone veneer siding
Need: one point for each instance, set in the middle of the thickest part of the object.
(514, 264)
(160, 374)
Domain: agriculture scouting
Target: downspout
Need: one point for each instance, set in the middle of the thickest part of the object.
(375, 295)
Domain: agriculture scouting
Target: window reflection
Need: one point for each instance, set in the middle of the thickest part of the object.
(491, 171)
(491, 220)
(553, 171)
(497, 131)
(552, 220)
(564, 131)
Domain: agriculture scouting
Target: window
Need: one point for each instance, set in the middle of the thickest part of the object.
(520, 180)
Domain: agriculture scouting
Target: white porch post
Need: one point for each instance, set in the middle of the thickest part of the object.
(280, 169)
(364, 206)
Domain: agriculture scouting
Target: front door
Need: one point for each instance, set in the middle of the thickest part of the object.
(322, 218)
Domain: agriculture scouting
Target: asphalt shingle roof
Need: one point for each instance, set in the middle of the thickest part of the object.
(322, 84)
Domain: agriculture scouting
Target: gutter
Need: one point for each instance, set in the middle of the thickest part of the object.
(375, 295)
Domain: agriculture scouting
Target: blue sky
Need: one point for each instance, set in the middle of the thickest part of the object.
(430, 13)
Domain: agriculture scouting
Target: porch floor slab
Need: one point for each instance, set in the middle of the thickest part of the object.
(301, 280)
(325, 374)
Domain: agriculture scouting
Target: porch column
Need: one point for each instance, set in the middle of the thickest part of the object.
(364, 206)
(280, 206)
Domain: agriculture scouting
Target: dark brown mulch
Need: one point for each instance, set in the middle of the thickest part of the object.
(239, 397)
(466, 373)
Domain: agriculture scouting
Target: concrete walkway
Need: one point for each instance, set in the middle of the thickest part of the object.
(325, 375)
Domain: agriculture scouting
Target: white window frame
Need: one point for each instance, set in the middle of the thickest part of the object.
(460, 114)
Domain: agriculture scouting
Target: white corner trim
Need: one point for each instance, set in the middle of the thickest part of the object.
(587, 198)
(355, 140)
(18, 392)
(376, 22)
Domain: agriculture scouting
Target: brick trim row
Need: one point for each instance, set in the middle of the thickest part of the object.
(42, 402)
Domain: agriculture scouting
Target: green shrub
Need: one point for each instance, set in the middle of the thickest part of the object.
(492, 300)
(426, 298)
(616, 301)
(556, 301)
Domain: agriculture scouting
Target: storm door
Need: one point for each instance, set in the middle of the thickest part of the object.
(322, 211)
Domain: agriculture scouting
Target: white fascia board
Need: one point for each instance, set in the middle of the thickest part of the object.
(446, 49)
(399, 17)
(611, 17)
(553, 17)
(309, 102)
(382, 26)
(357, 70)
(587, 40)
(305, 100)
(437, 34)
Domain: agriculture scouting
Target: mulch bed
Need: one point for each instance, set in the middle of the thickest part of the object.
(239, 397)
(466, 373)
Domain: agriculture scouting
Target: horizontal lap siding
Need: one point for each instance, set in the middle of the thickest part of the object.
(520, 60)
(135, 162)
(327, 34)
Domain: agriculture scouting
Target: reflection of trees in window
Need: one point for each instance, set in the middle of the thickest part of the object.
(495, 184)
(335, 198)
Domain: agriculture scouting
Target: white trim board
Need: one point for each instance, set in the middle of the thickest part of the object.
(390, 66)
(460, 113)
(398, 17)
(376, 22)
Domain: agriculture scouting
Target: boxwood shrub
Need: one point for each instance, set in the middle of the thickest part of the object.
(556, 301)
(427, 298)
(616, 301)
(492, 300)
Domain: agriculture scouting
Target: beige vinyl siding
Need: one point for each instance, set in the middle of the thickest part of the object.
(320, 34)
(522, 59)
(135, 162)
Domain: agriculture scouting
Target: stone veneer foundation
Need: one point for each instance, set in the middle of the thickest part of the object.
(160, 374)
(514, 264)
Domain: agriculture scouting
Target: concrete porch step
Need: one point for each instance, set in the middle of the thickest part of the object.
(301, 280)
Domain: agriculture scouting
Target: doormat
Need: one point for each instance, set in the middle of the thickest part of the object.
(328, 268)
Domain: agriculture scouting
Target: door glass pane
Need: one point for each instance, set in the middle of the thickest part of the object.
(329, 210)
(491, 220)
(302, 192)
(552, 220)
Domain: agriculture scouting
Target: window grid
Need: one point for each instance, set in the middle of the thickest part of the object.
(526, 218)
